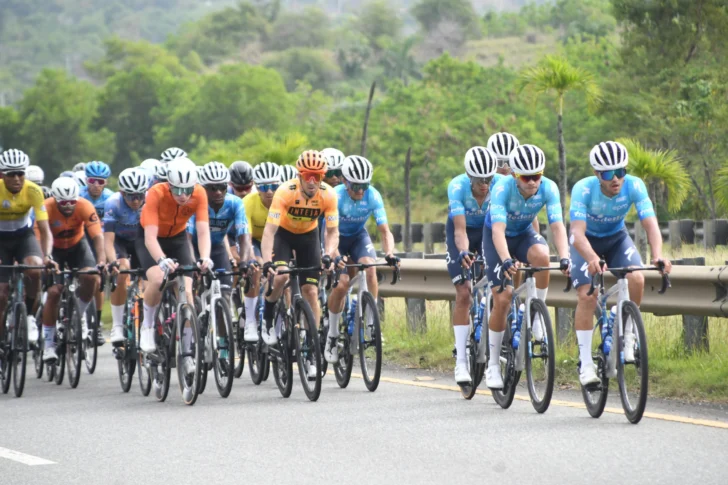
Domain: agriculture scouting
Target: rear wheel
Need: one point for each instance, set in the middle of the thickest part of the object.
(190, 347)
(161, 371)
(143, 374)
(595, 397)
(224, 357)
(504, 397)
(633, 376)
(540, 355)
(20, 348)
(40, 344)
(283, 362)
(126, 364)
(8, 357)
(370, 342)
(90, 343)
(74, 345)
(308, 350)
(323, 328)
(59, 366)
(240, 354)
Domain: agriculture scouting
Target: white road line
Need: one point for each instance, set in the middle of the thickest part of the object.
(29, 460)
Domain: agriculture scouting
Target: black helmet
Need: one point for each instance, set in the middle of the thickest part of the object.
(241, 173)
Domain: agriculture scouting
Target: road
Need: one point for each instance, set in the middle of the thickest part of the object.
(411, 430)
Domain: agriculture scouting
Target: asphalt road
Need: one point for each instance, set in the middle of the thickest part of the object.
(410, 431)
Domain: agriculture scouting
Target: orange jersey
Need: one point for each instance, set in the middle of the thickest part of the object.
(298, 214)
(68, 231)
(160, 209)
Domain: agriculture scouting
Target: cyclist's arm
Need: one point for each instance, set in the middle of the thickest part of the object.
(246, 247)
(387, 239)
(654, 236)
(581, 243)
(560, 239)
(536, 226)
(461, 235)
(92, 225)
(266, 246)
(241, 230)
(98, 242)
(332, 240)
(499, 240)
(556, 220)
(109, 238)
(46, 237)
(151, 242)
(203, 238)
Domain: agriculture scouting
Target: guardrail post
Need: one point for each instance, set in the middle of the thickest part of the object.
(695, 327)
(564, 324)
(380, 307)
(416, 309)
(675, 236)
(427, 238)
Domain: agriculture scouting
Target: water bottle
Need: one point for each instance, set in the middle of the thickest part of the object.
(478, 323)
(517, 324)
(607, 345)
(352, 315)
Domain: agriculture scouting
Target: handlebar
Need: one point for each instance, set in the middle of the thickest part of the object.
(181, 270)
(113, 279)
(290, 270)
(598, 279)
(396, 272)
(531, 270)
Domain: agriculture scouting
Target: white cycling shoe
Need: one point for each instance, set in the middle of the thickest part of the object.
(588, 374)
(49, 354)
(117, 334)
(250, 334)
(32, 330)
(462, 376)
(146, 342)
(629, 341)
(537, 328)
(493, 378)
(269, 336)
(190, 365)
(331, 351)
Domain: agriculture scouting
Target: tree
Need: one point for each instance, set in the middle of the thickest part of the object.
(556, 75)
(309, 28)
(430, 13)
(313, 66)
(398, 61)
(377, 21)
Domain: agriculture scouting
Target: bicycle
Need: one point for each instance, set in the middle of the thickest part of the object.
(323, 329)
(258, 362)
(90, 324)
(15, 343)
(36, 348)
(297, 330)
(368, 343)
(536, 355)
(607, 364)
(128, 356)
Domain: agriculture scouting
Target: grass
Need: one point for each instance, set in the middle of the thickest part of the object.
(674, 373)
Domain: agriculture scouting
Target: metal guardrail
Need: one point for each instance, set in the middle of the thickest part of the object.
(696, 290)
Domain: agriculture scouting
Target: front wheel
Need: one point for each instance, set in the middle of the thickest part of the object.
(90, 343)
(308, 350)
(20, 349)
(40, 344)
(504, 397)
(540, 355)
(224, 357)
(632, 376)
(595, 397)
(74, 344)
(282, 360)
(189, 354)
(370, 342)
(7, 359)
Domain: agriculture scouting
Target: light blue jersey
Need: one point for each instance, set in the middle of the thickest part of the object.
(604, 215)
(462, 203)
(354, 214)
(508, 206)
(230, 219)
(98, 203)
(121, 219)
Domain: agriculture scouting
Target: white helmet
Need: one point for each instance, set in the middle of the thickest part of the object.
(481, 162)
(266, 173)
(527, 160)
(357, 169)
(64, 188)
(214, 173)
(80, 178)
(79, 167)
(14, 160)
(150, 165)
(133, 180)
(288, 172)
(502, 144)
(172, 153)
(199, 173)
(334, 158)
(608, 155)
(35, 174)
(182, 172)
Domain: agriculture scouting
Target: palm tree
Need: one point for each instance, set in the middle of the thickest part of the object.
(721, 187)
(556, 75)
(258, 145)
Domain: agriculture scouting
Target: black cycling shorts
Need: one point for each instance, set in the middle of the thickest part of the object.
(175, 247)
(16, 248)
(126, 249)
(76, 257)
(308, 252)
(220, 260)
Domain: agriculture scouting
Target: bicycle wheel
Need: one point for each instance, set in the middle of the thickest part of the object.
(90, 343)
(504, 397)
(595, 397)
(40, 344)
(633, 376)
(323, 329)
(343, 367)
(540, 359)
(283, 362)
(223, 366)
(20, 348)
(8, 357)
(370, 342)
(143, 374)
(476, 370)
(240, 352)
(125, 362)
(74, 344)
(188, 375)
(308, 350)
(161, 369)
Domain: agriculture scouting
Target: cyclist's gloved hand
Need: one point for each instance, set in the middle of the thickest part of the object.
(565, 265)
(392, 260)
(465, 258)
(326, 261)
(100, 267)
(508, 268)
(339, 262)
(233, 263)
(205, 264)
(167, 264)
(269, 268)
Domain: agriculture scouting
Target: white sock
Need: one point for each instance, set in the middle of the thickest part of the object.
(461, 342)
(117, 315)
(83, 305)
(495, 341)
(584, 337)
(149, 312)
(334, 319)
(187, 338)
(541, 294)
(629, 326)
(250, 303)
(48, 334)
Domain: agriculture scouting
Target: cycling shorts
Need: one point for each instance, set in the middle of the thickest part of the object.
(175, 247)
(617, 250)
(126, 249)
(518, 246)
(17, 248)
(220, 260)
(475, 237)
(357, 246)
(256, 248)
(78, 256)
(307, 248)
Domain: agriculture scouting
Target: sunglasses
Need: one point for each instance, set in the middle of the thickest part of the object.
(530, 178)
(134, 197)
(333, 173)
(358, 187)
(216, 187)
(95, 181)
(181, 190)
(481, 180)
(18, 173)
(502, 162)
(67, 203)
(312, 177)
(267, 187)
(242, 188)
(608, 175)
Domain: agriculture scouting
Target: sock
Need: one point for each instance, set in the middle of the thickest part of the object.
(584, 337)
(461, 342)
(541, 294)
(149, 312)
(187, 338)
(83, 305)
(29, 304)
(48, 334)
(268, 309)
(250, 304)
(334, 319)
(117, 315)
(495, 340)
(98, 317)
(629, 326)
(279, 325)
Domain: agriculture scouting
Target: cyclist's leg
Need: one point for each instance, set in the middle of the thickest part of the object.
(282, 253)
(152, 293)
(308, 254)
(251, 299)
(118, 297)
(81, 256)
(533, 248)
(98, 295)
(585, 307)
(29, 253)
(7, 255)
(50, 309)
(463, 300)
(362, 251)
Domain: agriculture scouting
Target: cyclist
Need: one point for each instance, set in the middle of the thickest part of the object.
(502, 144)
(292, 226)
(226, 215)
(164, 218)
(508, 237)
(357, 201)
(34, 174)
(69, 215)
(79, 167)
(80, 178)
(66, 173)
(172, 153)
(335, 160)
(153, 167)
(97, 175)
(241, 179)
(469, 195)
(599, 205)
(288, 172)
(121, 229)
(267, 178)
(19, 198)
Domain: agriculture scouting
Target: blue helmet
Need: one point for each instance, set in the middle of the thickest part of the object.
(66, 173)
(98, 170)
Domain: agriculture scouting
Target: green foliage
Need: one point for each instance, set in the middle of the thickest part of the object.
(378, 21)
(312, 66)
(255, 146)
(124, 55)
(308, 28)
(431, 13)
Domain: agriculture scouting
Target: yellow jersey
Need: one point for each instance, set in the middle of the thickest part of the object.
(298, 214)
(16, 216)
(257, 213)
